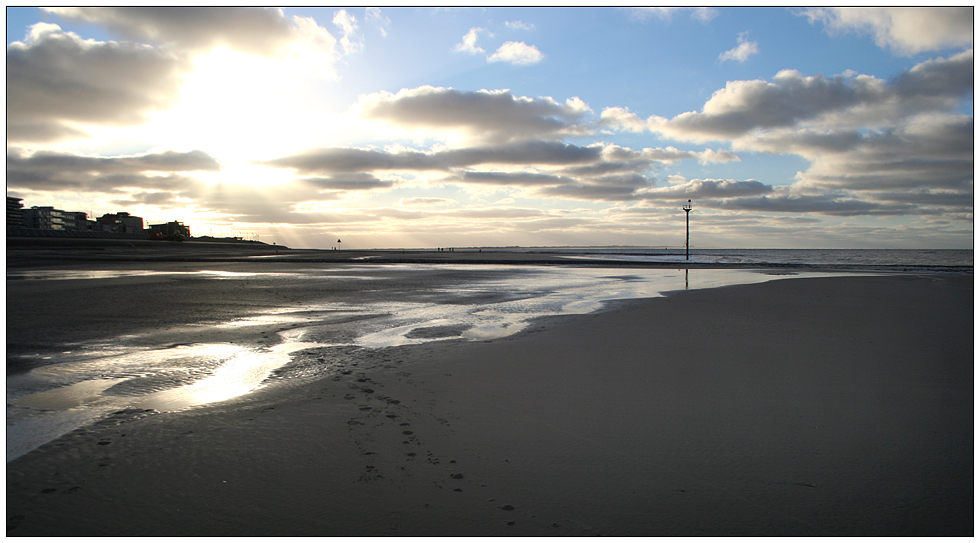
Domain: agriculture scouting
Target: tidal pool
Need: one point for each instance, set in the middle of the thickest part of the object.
(85, 383)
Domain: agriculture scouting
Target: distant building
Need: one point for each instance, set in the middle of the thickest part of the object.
(44, 218)
(15, 211)
(170, 230)
(78, 221)
(120, 223)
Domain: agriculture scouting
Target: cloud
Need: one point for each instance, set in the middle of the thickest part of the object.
(818, 204)
(864, 137)
(497, 116)
(166, 161)
(517, 53)
(511, 179)
(709, 188)
(743, 51)
(192, 31)
(546, 168)
(52, 170)
(58, 82)
(468, 45)
(518, 25)
(666, 14)
(793, 99)
(704, 15)
(374, 16)
(904, 30)
(743, 106)
(159, 199)
(332, 160)
(349, 40)
(930, 152)
(562, 158)
(349, 182)
(422, 201)
(592, 192)
(258, 31)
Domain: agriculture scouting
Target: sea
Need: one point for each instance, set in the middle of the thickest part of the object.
(899, 260)
(374, 306)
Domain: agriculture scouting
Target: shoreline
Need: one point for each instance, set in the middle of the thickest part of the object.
(68, 253)
(724, 411)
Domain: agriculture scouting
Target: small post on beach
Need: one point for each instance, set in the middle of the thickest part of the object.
(687, 237)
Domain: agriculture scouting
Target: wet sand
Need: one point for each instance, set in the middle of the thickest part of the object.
(799, 407)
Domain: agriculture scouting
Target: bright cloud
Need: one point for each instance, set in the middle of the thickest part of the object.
(468, 45)
(303, 124)
(742, 52)
(519, 25)
(703, 15)
(517, 53)
(905, 30)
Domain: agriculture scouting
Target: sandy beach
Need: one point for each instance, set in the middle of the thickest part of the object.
(795, 407)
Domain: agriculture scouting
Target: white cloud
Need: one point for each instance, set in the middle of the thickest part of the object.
(743, 51)
(518, 25)
(374, 15)
(708, 188)
(703, 15)
(422, 201)
(905, 30)
(517, 53)
(349, 40)
(622, 119)
(468, 45)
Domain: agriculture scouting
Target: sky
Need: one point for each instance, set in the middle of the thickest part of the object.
(438, 127)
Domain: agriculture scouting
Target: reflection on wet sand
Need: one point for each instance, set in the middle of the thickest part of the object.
(96, 379)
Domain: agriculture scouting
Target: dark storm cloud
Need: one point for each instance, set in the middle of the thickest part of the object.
(255, 30)
(55, 78)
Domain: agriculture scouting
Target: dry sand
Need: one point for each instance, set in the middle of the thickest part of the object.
(807, 407)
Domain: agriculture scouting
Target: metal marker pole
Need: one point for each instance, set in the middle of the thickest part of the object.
(687, 237)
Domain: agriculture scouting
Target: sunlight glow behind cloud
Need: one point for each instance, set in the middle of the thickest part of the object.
(393, 126)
